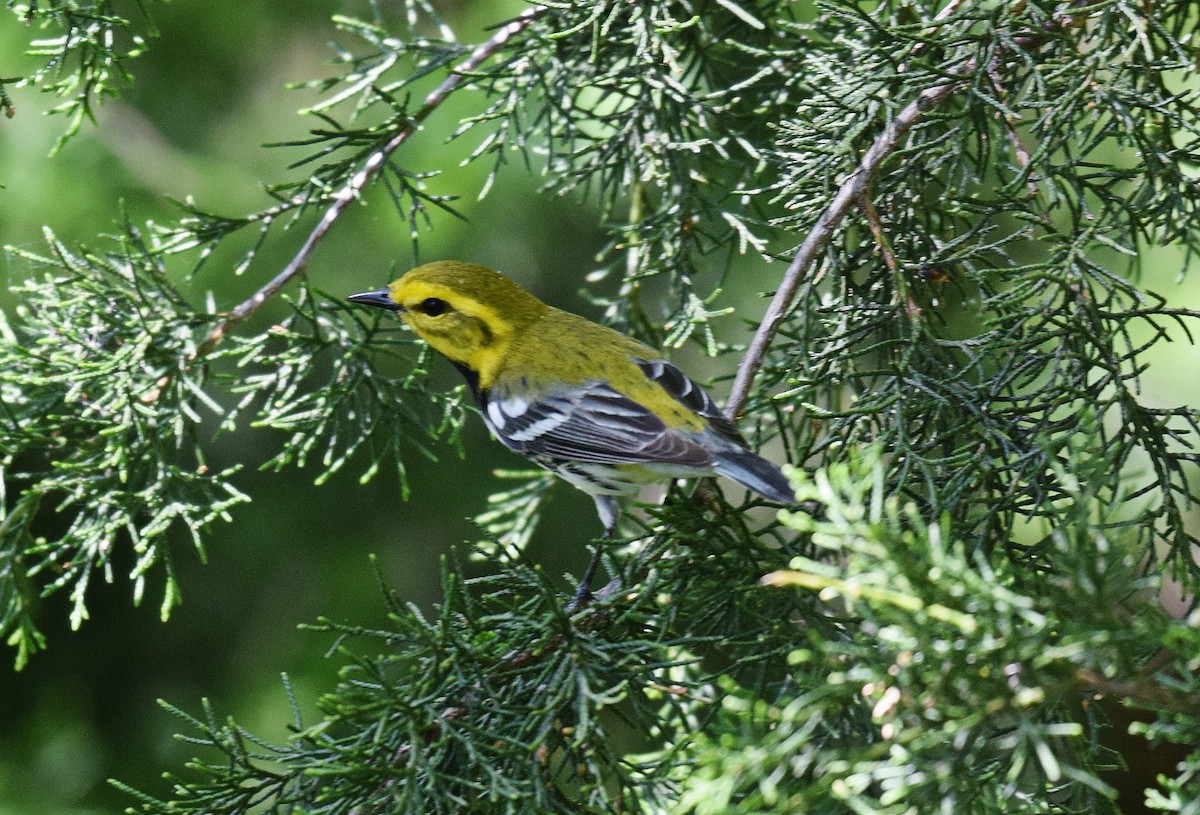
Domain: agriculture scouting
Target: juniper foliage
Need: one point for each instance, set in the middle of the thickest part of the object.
(993, 505)
(84, 56)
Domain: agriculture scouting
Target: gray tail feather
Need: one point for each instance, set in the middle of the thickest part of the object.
(756, 473)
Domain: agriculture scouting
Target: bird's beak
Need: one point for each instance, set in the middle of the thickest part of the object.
(380, 298)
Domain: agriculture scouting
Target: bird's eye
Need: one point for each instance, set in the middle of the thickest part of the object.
(433, 306)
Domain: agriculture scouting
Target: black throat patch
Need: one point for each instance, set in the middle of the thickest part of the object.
(472, 377)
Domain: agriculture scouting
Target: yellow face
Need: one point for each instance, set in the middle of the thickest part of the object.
(459, 327)
(467, 313)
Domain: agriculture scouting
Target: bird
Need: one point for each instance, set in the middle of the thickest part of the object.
(599, 409)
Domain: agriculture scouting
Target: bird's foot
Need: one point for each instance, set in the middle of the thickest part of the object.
(583, 598)
(583, 594)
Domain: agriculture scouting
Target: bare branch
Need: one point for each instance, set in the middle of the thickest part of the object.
(853, 189)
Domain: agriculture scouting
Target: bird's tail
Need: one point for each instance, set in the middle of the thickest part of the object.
(756, 473)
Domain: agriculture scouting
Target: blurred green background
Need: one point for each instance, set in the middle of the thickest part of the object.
(208, 93)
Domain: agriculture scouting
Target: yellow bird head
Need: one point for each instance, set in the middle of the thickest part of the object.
(468, 313)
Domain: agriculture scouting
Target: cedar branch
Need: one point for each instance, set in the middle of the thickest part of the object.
(354, 188)
(854, 189)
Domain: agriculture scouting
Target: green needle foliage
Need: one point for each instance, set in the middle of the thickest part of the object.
(85, 54)
(955, 683)
(988, 506)
(318, 379)
(99, 435)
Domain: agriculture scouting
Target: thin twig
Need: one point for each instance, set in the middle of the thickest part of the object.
(941, 16)
(881, 240)
(853, 189)
(889, 256)
(354, 188)
(1020, 151)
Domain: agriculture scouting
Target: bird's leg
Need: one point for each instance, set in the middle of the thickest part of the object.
(606, 507)
(583, 594)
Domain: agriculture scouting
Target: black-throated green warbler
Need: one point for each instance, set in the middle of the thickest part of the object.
(596, 408)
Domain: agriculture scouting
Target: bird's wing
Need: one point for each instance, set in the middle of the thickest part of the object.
(590, 423)
(732, 457)
(684, 390)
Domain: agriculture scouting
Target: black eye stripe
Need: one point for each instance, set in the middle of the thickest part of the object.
(433, 306)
